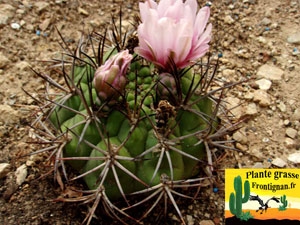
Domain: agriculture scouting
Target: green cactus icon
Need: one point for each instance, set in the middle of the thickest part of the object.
(236, 200)
(284, 202)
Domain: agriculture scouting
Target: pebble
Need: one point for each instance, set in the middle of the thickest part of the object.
(289, 142)
(279, 162)
(21, 174)
(190, 220)
(282, 107)
(296, 115)
(241, 147)
(228, 72)
(290, 132)
(41, 6)
(207, 222)
(6, 12)
(15, 26)
(262, 98)
(228, 19)
(240, 137)
(262, 40)
(294, 158)
(4, 169)
(251, 109)
(8, 110)
(269, 72)
(44, 25)
(233, 104)
(294, 38)
(249, 95)
(258, 165)
(264, 84)
(286, 122)
(82, 11)
(266, 21)
(3, 20)
(3, 60)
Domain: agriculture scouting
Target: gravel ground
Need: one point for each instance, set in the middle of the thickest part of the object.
(258, 40)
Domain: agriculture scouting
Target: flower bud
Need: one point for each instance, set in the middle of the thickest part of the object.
(109, 79)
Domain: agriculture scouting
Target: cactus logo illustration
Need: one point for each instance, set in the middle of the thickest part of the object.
(262, 196)
(236, 200)
(284, 202)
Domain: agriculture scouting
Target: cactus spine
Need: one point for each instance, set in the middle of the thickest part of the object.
(236, 201)
(284, 202)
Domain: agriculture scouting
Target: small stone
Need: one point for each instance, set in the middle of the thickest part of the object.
(265, 140)
(262, 40)
(228, 19)
(262, 98)
(41, 6)
(15, 26)
(282, 107)
(240, 137)
(233, 105)
(44, 25)
(294, 38)
(174, 217)
(207, 222)
(269, 72)
(6, 110)
(3, 60)
(95, 23)
(3, 20)
(6, 12)
(30, 163)
(228, 72)
(190, 220)
(289, 142)
(82, 11)
(21, 174)
(249, 95)
(266, 21)
(241, 147)
(207, 215)
(22, 23)
(286, 122)
(294, 158)
(296, 115)
(258, 165)
(279, 162)
(263, 84)
(4, 169)
(29, 27)
(20, 11)
(270, 133)
(290, 132)
(256, 152)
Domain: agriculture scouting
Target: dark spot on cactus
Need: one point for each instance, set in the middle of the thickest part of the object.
(164, 112)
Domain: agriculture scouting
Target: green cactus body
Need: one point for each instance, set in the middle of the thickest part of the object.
(117, 127)
(236, 200)
(284, 203)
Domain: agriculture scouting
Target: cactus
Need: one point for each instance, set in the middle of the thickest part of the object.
(136, 129)
(284, 203)
(236, 201)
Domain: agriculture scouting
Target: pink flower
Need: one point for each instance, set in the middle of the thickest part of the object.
(112, 74)
(173, 29)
